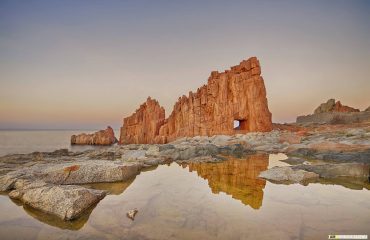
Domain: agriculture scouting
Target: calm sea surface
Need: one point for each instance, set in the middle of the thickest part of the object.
(42, 141)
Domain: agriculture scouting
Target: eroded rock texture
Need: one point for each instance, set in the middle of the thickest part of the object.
(332, 106)
(237, 94)
(333, 112)
(102, 137)
(143, 126)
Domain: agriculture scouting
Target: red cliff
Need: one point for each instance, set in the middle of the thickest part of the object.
(237, 94)
(143, 126)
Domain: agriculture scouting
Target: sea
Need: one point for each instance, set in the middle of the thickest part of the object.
(28, 141)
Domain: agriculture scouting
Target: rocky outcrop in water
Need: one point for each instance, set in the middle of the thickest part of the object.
(102, 137)
(237, 94)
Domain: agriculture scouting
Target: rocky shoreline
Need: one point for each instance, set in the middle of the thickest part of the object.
(55, 182)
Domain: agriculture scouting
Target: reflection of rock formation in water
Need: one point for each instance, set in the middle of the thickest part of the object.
(236, 177)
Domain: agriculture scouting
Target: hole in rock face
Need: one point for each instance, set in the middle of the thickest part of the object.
(236, 124)
(240, 124)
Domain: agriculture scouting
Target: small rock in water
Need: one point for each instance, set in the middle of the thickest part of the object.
(131, 214)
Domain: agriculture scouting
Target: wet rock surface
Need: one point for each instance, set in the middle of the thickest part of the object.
(294, 161)
(66, 202)
(357, 170)
(288, 175)
(96, 171)
(304, 173)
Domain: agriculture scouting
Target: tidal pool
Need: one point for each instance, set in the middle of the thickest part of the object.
(223, 200)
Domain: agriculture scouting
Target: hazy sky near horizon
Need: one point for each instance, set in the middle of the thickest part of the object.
(87, 64)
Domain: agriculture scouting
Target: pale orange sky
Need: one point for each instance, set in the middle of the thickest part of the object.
(88, 65)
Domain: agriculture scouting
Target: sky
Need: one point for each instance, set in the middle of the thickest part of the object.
(75, 64)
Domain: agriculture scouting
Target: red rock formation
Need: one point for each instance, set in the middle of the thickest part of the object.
(102, 137)
(143, 126)
(341, 108)
(332, 106)
(237, 94)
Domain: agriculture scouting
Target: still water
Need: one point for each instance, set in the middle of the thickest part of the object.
(205, 201)
(39, 140)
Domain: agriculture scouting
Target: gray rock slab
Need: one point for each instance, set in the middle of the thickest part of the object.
(288, 175)
(64, 201)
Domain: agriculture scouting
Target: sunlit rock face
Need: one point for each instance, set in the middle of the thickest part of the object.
(102, 137)
(332, 106)
(237, 94)
(236, 177)
(334, 112)
(143, 126)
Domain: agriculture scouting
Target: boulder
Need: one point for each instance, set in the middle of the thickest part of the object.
(288, 175)
(64, 201)
(102, 137)
(81, 172)
(93, 171)
(360, 170)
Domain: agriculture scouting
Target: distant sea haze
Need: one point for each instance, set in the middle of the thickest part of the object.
(28, 141)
